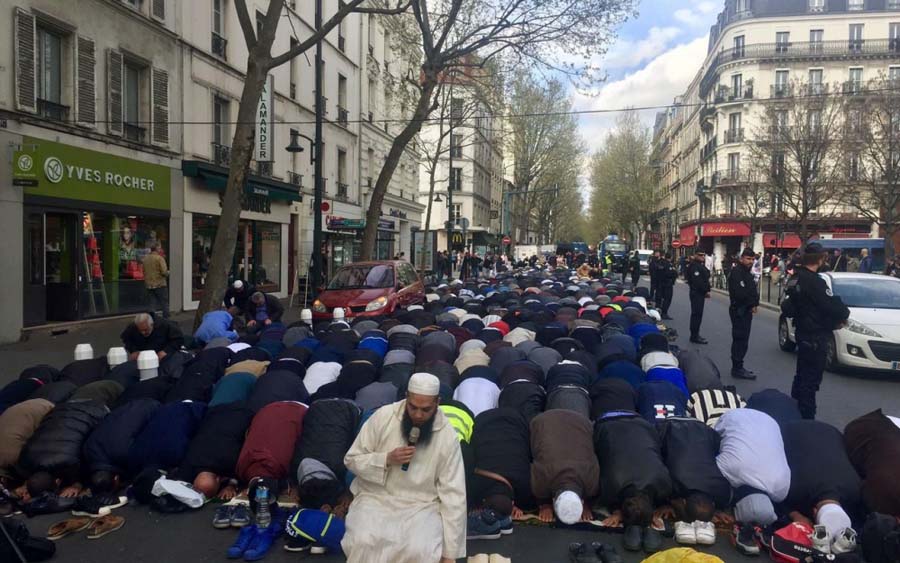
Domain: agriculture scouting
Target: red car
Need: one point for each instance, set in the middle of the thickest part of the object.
(370, 289)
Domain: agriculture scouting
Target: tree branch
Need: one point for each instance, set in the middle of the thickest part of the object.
(246, 23)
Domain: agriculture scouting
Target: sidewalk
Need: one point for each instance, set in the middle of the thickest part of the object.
(43, 347)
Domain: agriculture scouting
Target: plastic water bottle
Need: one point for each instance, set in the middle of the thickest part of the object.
(263, 516)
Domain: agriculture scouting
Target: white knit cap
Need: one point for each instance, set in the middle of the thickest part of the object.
(424, 384)
(834, 518)
(238, 284)
(568, 507)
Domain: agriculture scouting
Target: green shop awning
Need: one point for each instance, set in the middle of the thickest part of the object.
(216, 178)
(484, 238)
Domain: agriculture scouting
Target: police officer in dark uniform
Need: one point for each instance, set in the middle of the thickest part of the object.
(816, 314)
(744, 300)
(654, 284)
(665, 284)
(698, 281)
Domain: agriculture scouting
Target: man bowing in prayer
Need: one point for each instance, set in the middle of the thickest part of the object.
(409, 501)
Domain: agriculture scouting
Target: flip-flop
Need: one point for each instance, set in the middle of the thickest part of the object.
(62, 529)
(104, 525)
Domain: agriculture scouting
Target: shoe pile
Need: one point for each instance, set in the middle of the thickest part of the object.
(96, 506)
(253, 542)
(231, 516)
(486, 525)
(594, 552)
(637, 538)
(695, 533)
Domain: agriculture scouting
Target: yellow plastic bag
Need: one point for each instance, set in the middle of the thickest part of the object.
(682, 555)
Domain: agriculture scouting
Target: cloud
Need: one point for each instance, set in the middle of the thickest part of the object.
(627, 54)
(698, 15)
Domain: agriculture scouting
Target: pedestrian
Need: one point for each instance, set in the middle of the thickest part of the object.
(698, 281)
(263, 309)
(635, 265)
(865, 262)
(816, 313)
(156, 271)
(425, 505)
(665, 284)
(744, 300)
(654, 284)
(893, 268)
(756, 269)
(440, 265)
(238, 294)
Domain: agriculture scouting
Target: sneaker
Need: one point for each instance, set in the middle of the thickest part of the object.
(821, 541)
(483, 526)
(652, 541)
(240, 545)
(47, 503)
(705, 532)
(96, 506)
(631, 541)
(297, 544)
(606, 553)
(241, 516)
(222, 517)
(582, 553)
(262, 543)
(104, 525)
(685, 533)
(845, 542)
(745, 539)
(506, 525)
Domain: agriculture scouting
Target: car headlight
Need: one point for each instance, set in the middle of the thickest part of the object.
(376, 304)
(859, 328)
(319, 307)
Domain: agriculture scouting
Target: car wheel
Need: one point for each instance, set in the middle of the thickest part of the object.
(784, 336)
(832, 363)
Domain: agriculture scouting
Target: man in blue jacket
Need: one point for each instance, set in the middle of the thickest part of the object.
(163, 441)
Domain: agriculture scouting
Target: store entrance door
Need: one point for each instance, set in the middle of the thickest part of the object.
(51, 269)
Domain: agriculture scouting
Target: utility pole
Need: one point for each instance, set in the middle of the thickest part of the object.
(452, 219)
(318, 257)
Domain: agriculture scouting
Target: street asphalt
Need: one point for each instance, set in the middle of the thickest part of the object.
(148, 536)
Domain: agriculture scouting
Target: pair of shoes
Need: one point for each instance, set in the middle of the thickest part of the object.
(699, 340)
(596, 552)
(47, 503)
(845, 542)
(506, 525)
(104, 525)
(483, 526)
(231, 516)
(744, 539)
(243, 541)
(96, 506)
(67, 527)
(821, 541)
(262, 542)
(741, 373)
(685, 533)
(637, 538)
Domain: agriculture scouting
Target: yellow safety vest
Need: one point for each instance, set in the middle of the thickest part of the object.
(461, 422)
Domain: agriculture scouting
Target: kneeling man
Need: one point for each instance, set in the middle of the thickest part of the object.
(409, 502)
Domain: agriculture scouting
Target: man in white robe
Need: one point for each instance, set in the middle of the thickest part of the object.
(412, 516)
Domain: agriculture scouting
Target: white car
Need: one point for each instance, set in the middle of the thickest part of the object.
(871, 339)
(644, 255)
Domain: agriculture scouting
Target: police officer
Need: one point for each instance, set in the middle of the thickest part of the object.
(665, 283)
(744, 300)
(654, 285)
(816, 314)
(634, 265)
(698, 281)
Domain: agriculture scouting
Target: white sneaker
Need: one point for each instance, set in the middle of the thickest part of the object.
(706, 532)
(685, 534)
(845, 542)
(821, 541)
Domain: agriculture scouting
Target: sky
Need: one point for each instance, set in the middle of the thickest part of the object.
(651, 61)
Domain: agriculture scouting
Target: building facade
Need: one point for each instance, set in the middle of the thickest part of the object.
(759, 50)
(118, 118)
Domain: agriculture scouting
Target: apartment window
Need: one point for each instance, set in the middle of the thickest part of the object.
(343, 114)
(342, 40)
(456, 142)
(732, 204)
(734, 164)
(456, 110)
(131, 106)
(856, 37)
(455, 212)
(816, 35)
(737, 86)
(778, 166)
(816, 86)
(853, 167)
(49, 74)
(854, 5)
(456, 179)
(343, 188)
(292, 70)
(814, 119)
(854, 121)
(816, 5)
(219, 42)
(782, 41)
(738, 49)
(782, 78)
(894, 76)
(221, 115)
(371, 22)
(741, 7)
(854, 84)
(735, 134)
(386, 57)
(894, 35)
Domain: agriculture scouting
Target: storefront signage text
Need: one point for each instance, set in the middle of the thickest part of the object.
(265, 137)
(253, 202)
(397, 213)
(386, 225)
(726, 230)
(336, 223)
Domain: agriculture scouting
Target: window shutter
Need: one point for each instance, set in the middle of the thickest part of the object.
(160, 106)
(26, 61)
(114, 70)
(159, 9)
(85, 101)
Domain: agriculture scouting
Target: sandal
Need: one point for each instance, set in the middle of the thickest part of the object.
(104, 525)
(62, 529)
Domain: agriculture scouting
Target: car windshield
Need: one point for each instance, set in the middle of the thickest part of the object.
(363, 277)
(645, 255)
(616, 247)
(868, 293)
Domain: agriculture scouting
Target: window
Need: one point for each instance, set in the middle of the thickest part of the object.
(131, 107)
(343, 190)
(894, 36)
(343, 114)
(782, 41)
(732, 204)
(371, 22)
(854, 5)
(816, 86)
(456, 146)
(49, 69)
(456, 110)
(780, 89)
(456, 212)
(816, 5)
(221, 140)
(741, 7)
(342, 41)
(734, 164)
(854, 121)
(218, 29)
(856, 37)
(737, 86)
(456, 179)
(778, 166)
(854, 84)
(894, 76)
(293, 74)
(373, 97)
(734, 134)
(853, 167)
(814, 120)
(738, 49)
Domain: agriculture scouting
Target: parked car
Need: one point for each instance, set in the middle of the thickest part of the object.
(871, 339)
(645, 254)
(369, 289)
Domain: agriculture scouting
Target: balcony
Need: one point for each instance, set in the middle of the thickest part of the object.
(853, 88)
(708, 150)
(707, 111)
(730, 177)
(135, 133)
(295, 179)
(734, 136)
(343, 116)
(778, 91)
(221, 154)
(219, 46)
(52, 110)
(343, 192)
(816, 89)
(730, 94)
(264, 169)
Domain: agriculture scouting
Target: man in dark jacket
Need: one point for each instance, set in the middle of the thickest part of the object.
(654, 283)
(262, 310)
(164, 439)
(635, 266)
(665, 284)
(146, 333)
(873, 445)
(502, 460)
(744, 301)
(239, 294)
(817, 312)
(697, 276)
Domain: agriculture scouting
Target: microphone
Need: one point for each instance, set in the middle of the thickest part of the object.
(413, 438)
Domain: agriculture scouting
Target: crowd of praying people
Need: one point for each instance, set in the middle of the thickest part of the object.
(539, 396)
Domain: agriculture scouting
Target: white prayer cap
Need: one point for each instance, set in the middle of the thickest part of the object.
(238, 284)
(654, 314)
(424, 384)
(568, 507)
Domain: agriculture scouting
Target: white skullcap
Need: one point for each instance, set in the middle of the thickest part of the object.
(415, 308)
(424, 384)
(834, 518)
(238, 284)
(654, 314)
(568, 507)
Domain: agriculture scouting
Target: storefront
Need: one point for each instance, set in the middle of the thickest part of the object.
(343, 241)
(264, 252)
(724, 239)
(90, 218)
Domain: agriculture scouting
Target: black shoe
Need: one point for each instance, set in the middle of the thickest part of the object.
(652, 541)
(582, 553)
(606, 553)
(167, 504)
(96, 506)
(699, 340)
(297, 544)
(745, 539)
(48, 503)
(741, 373)
(631, 541)
(666, 317)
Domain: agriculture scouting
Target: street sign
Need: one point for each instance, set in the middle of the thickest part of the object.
(464, 224)
(507, 241)
(326, 207)
(676, 244)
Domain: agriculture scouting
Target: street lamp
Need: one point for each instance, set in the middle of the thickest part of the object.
(295, 146)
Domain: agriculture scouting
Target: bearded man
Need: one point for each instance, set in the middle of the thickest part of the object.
(409, 501)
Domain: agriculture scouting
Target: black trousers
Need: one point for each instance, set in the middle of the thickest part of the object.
(811, 350)
(635, 279)
(159, 300)
(654, 291)
(698, 301)
(741, 320)
(664, 298)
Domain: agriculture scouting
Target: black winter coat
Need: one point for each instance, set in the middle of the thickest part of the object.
(57, 442)
(700, 372)
(817, 311)
(274, 386)
(106, 449)
(329, 428)
(525, 397)
(501, 444)
(274, 309)
(217, 443)
(742, 289)
(689, 448)
(697, 277)
(82, 372)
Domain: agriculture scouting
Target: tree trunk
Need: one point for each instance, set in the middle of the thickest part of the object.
(227, 230)
(373, 214)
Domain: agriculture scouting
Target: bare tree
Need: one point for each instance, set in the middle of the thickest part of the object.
(259, 62)
(872, 149)
(756, 202)
(796, 154)
(458, 35)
